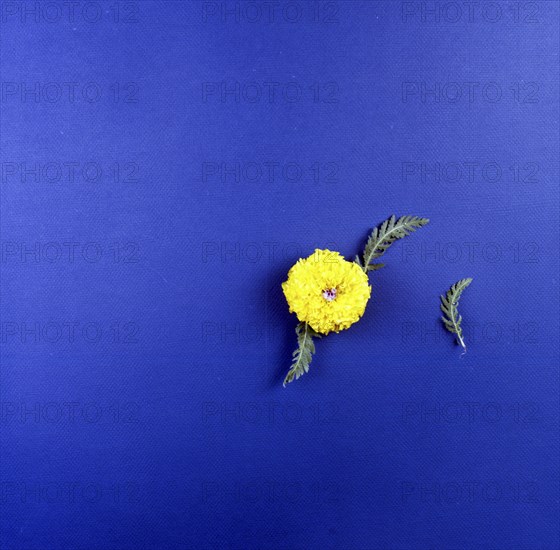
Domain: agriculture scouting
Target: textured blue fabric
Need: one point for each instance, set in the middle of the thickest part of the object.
(165, 163)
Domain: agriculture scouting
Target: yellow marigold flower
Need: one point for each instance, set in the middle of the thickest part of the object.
(326, 291)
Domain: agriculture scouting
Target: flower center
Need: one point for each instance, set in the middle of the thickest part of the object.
(329, 294)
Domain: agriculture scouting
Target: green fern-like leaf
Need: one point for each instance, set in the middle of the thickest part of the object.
(385, 235)
(449, 303)
(303, 355)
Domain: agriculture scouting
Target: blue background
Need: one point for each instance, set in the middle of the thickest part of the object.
(159, 420)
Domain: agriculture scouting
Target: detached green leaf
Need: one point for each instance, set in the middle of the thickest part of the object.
(449, 303)
(386, 234)
(304, 353)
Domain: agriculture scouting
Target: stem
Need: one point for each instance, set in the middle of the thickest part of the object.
(462, 343)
